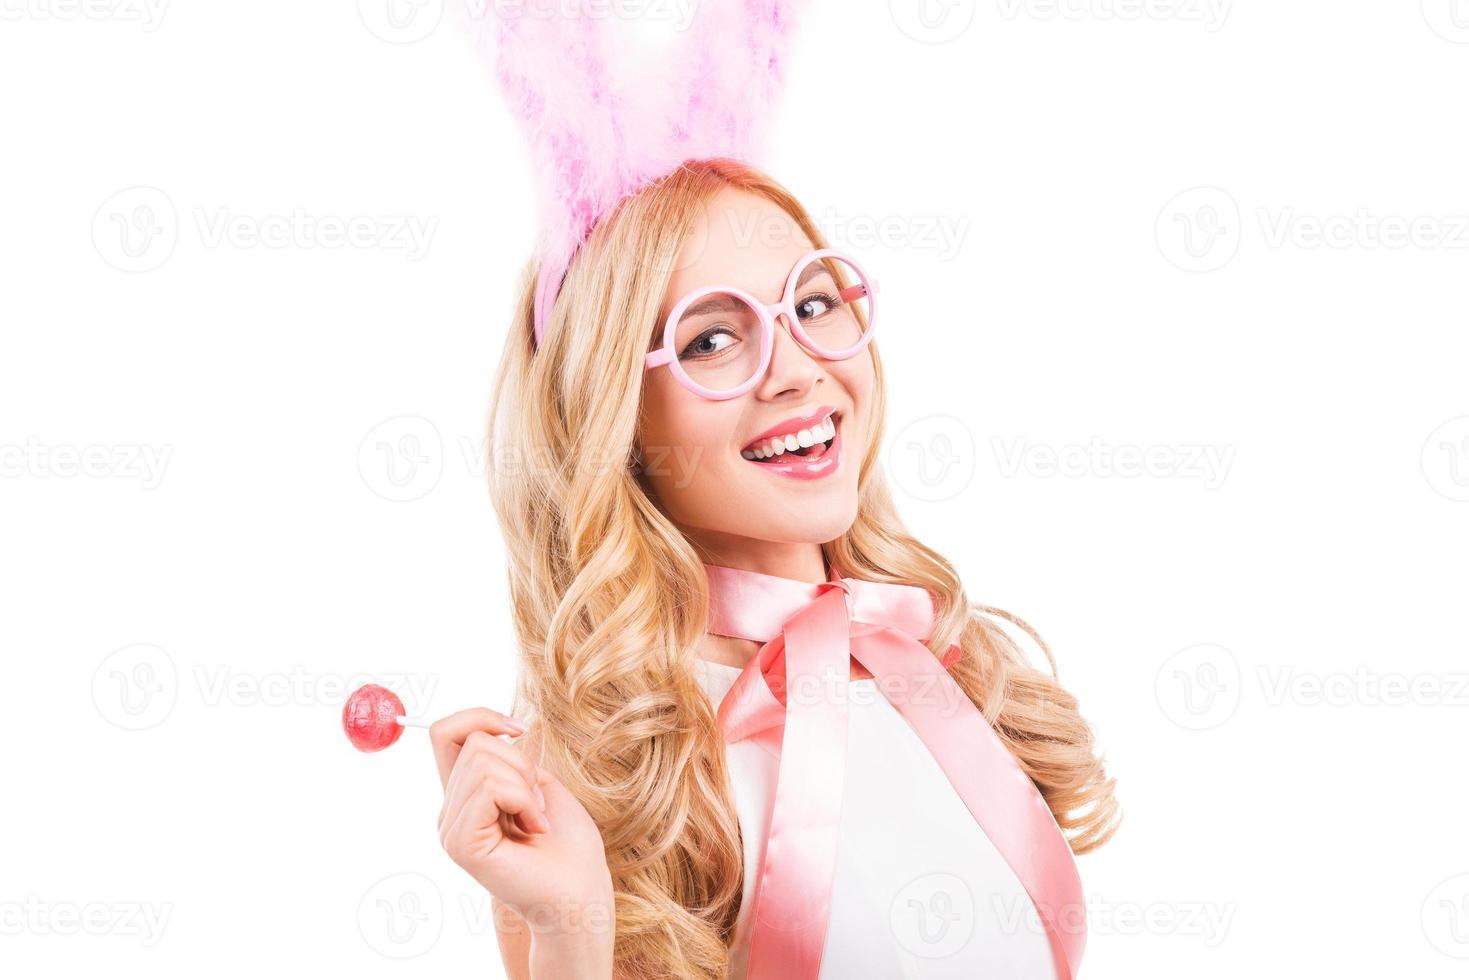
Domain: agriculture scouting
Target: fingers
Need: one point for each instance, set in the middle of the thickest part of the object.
(471, 829)
(448, 734)
(479, 748)
(484, 758)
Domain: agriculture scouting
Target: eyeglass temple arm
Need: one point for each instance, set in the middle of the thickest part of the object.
(658, 357)
(858, 290)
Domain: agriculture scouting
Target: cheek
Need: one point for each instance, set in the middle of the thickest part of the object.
(685, 441)
(667, 425)
(857, 376)
(681, 437)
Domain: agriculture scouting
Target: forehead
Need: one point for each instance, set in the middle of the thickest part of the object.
(740, 239)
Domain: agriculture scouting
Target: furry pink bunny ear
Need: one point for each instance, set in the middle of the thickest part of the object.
(611, 104)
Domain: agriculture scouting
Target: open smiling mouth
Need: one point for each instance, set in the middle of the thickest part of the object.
(805, 444)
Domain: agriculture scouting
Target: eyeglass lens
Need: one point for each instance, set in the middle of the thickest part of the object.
(718, 337)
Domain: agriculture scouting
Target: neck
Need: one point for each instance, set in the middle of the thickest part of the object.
(802, 561)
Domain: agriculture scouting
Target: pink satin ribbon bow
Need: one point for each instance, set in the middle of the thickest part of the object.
(783, 696)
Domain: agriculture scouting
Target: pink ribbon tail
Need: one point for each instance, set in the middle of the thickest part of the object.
(796, 685)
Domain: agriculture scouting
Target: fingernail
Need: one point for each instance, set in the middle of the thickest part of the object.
(517, 724)
(541, 798)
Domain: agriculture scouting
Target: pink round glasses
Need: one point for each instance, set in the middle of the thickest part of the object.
(837, 297)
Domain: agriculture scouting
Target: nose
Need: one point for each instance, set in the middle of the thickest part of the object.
(792, 367)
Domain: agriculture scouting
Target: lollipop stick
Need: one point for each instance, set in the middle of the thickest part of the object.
(407, 722)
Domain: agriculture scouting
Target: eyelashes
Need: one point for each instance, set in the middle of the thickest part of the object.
(827, 300)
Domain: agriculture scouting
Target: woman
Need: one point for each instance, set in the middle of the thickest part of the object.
(637, 500)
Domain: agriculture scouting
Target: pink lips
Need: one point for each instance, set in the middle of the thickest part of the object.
(807, 467)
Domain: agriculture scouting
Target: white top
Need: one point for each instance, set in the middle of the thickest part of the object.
(920, 891)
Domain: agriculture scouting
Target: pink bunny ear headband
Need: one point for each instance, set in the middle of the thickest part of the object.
(605, 119)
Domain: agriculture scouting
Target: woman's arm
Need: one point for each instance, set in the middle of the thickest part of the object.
(514, 938)
(577, 955)
(522, 835)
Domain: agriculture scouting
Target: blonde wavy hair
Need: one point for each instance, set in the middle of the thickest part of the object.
(609, 597)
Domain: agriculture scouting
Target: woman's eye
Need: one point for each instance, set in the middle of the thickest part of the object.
(814, 306)
(704, 345)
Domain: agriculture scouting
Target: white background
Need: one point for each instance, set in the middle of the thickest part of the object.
(242, 477)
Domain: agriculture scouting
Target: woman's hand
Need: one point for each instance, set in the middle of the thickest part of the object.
(519, 832)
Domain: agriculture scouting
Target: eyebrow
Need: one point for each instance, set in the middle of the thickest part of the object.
(718, 303)
(812, 270)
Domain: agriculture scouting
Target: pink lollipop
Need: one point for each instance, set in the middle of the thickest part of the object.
(373, 718)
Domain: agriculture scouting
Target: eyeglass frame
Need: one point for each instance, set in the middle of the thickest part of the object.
(768, 313)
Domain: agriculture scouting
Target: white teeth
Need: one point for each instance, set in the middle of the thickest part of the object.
(805, 438)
